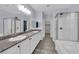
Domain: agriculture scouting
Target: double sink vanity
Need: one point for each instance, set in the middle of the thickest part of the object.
(22, 43)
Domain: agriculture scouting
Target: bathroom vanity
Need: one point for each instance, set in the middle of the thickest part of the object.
(22, 46)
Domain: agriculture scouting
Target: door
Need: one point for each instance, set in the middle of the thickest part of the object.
(47, 28)
(67, 27)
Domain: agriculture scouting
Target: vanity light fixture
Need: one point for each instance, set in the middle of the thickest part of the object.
(23, 9)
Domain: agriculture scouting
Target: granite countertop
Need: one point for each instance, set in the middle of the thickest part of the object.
(6, 44)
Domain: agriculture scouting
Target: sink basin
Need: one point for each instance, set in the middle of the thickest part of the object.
(35, 31)
(18, 38)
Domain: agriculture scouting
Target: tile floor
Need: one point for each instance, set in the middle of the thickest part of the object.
(46, 46)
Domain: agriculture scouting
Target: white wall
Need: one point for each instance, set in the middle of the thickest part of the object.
(43, 24)
(53, 28)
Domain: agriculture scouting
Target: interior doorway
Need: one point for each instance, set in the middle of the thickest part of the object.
(47, 28)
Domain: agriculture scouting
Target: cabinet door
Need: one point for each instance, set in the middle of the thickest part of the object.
(38, 37)
(34, 41)
(25, 47)
(13, 50)
(17, 26)
(7, 26)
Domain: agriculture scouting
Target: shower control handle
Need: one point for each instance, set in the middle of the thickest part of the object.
(61, 28)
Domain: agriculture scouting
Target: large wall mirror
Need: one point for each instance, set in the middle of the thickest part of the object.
(10, 26)
(36, 24)
(1, 27)
(24, 25)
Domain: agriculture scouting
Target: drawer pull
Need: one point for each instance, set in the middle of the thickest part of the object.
(18, 46)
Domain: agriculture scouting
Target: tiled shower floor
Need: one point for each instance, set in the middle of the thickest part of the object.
(46, 46)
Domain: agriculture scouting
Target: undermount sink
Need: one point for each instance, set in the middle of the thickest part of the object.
(18, 38)
(35, 31)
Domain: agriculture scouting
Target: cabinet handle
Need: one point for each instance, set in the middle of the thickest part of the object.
(18, 46)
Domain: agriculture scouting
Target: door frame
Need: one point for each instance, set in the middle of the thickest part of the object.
(57, 27)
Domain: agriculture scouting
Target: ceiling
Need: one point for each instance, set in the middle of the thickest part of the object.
(11, 9)
(49, 9)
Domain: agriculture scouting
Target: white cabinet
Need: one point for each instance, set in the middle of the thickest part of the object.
(34, 41)
(13, 50)
(25, 47)
(28, 46)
